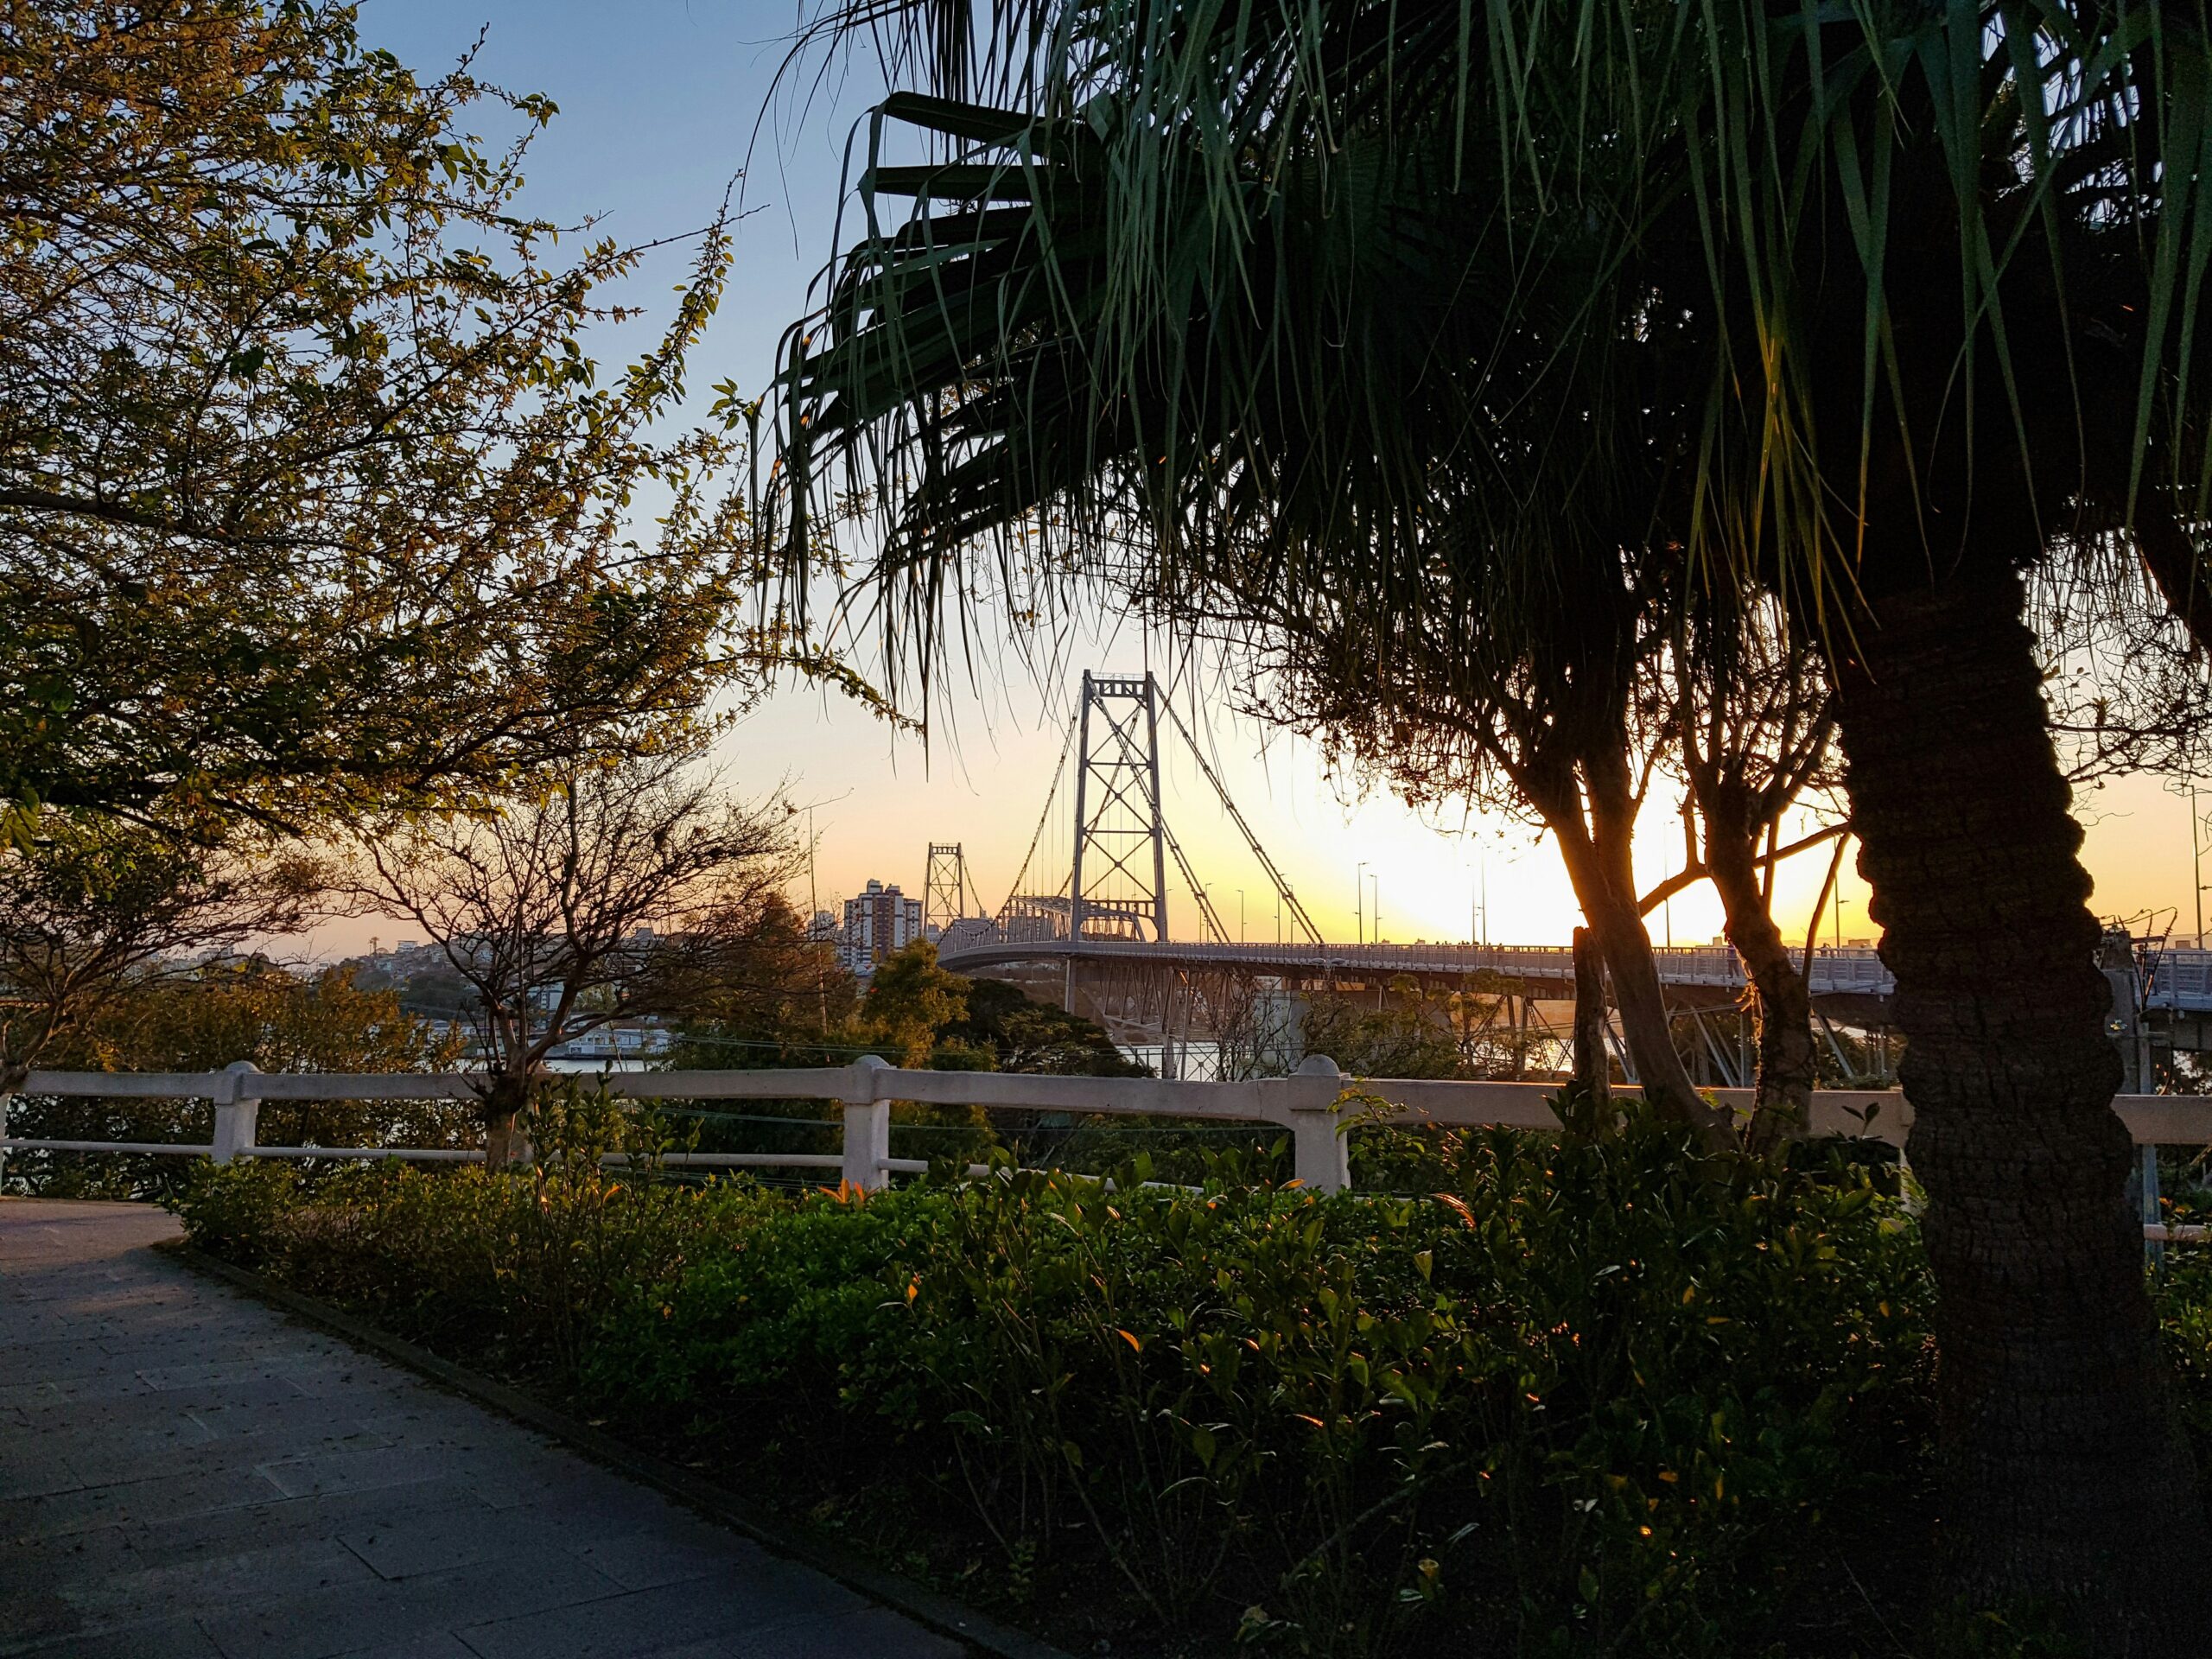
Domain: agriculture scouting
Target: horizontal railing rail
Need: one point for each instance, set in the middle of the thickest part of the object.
(1315, 1104)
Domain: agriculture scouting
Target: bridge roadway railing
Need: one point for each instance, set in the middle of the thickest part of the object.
(2180, 982)
(1317, 1106)
(1848, 968)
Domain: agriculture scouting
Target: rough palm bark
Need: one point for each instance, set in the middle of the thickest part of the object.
(2065, 1476)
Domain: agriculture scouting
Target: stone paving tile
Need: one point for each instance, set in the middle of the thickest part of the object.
(876, 1633)
(576, 1491)
(645, 1622)
(184, 1474)
(271, 1570)
(647, 1560)
(54, 1359)
(300, 1366)
(166, 1499)
(321, 1623)
(28, 1563)
(33, 1471)
(405, 1547)
(163, 1638)
(357, 1468)
(438, 1644)
(329, 1515)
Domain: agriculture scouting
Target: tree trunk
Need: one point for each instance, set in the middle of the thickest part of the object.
(12, 1077)
(1591, 1069)
(1647, 1030)
(1781, 1104)
(1604, 883)
(2064, 1474)
(505, 1144)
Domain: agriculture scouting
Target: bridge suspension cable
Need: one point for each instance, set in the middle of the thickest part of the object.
(1067, 746)
(1197, 889)
(1221, 790)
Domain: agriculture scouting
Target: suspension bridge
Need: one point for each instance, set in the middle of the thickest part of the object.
(1087, 924)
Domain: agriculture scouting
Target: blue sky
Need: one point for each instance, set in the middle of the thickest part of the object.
(662, 103)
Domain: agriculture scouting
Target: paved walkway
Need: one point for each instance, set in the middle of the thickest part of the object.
(186, 1474)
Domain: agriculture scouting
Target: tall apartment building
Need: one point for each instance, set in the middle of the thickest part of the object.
(879, 921)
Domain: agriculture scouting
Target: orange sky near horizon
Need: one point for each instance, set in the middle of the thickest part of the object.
(878, 798)
(878, 810)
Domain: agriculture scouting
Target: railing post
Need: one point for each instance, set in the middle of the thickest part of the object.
(237, 1109)
(867, 1129)
(1322, 1161)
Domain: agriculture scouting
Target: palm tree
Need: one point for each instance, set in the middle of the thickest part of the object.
(1521, 668)
(1839, 303)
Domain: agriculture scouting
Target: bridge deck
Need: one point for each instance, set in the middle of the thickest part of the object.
(2177, 980)
(972, 946)
(184, 1474)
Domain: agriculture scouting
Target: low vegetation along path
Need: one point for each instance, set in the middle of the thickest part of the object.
(183, 1471)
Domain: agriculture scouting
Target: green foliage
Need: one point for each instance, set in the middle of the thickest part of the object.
(311, 497)
(516, 1271)
(792, 1005)
(245, 1211)
(202, 1021)
(1600, 1395)
(799, 1007)
(1022, 1035)
(2183, 1296)
(89, 903)
(1405, 1037)
(910, 1002)
(1319, 296)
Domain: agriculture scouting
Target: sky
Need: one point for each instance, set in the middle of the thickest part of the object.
(662, 104)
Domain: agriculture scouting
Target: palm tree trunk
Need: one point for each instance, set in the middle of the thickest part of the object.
(2064, 1477)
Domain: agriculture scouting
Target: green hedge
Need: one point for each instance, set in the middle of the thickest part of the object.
(1604, 1395)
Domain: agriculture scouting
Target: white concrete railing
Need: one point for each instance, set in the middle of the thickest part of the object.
(1313, 1105)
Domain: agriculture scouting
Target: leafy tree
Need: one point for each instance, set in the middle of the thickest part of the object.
(1478, 264)
(918, 1014)
(1540, 720)
(90, 905)
(1018, 1034)
(910, 1003)
(311, 498)
(792, 1003)
(1402, 1037)
(1482, 683)
(620, 890)
(1753, 729)
(208, 1017)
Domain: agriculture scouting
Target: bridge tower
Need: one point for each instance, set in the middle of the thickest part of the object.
(1118, 889)
(944, 889)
